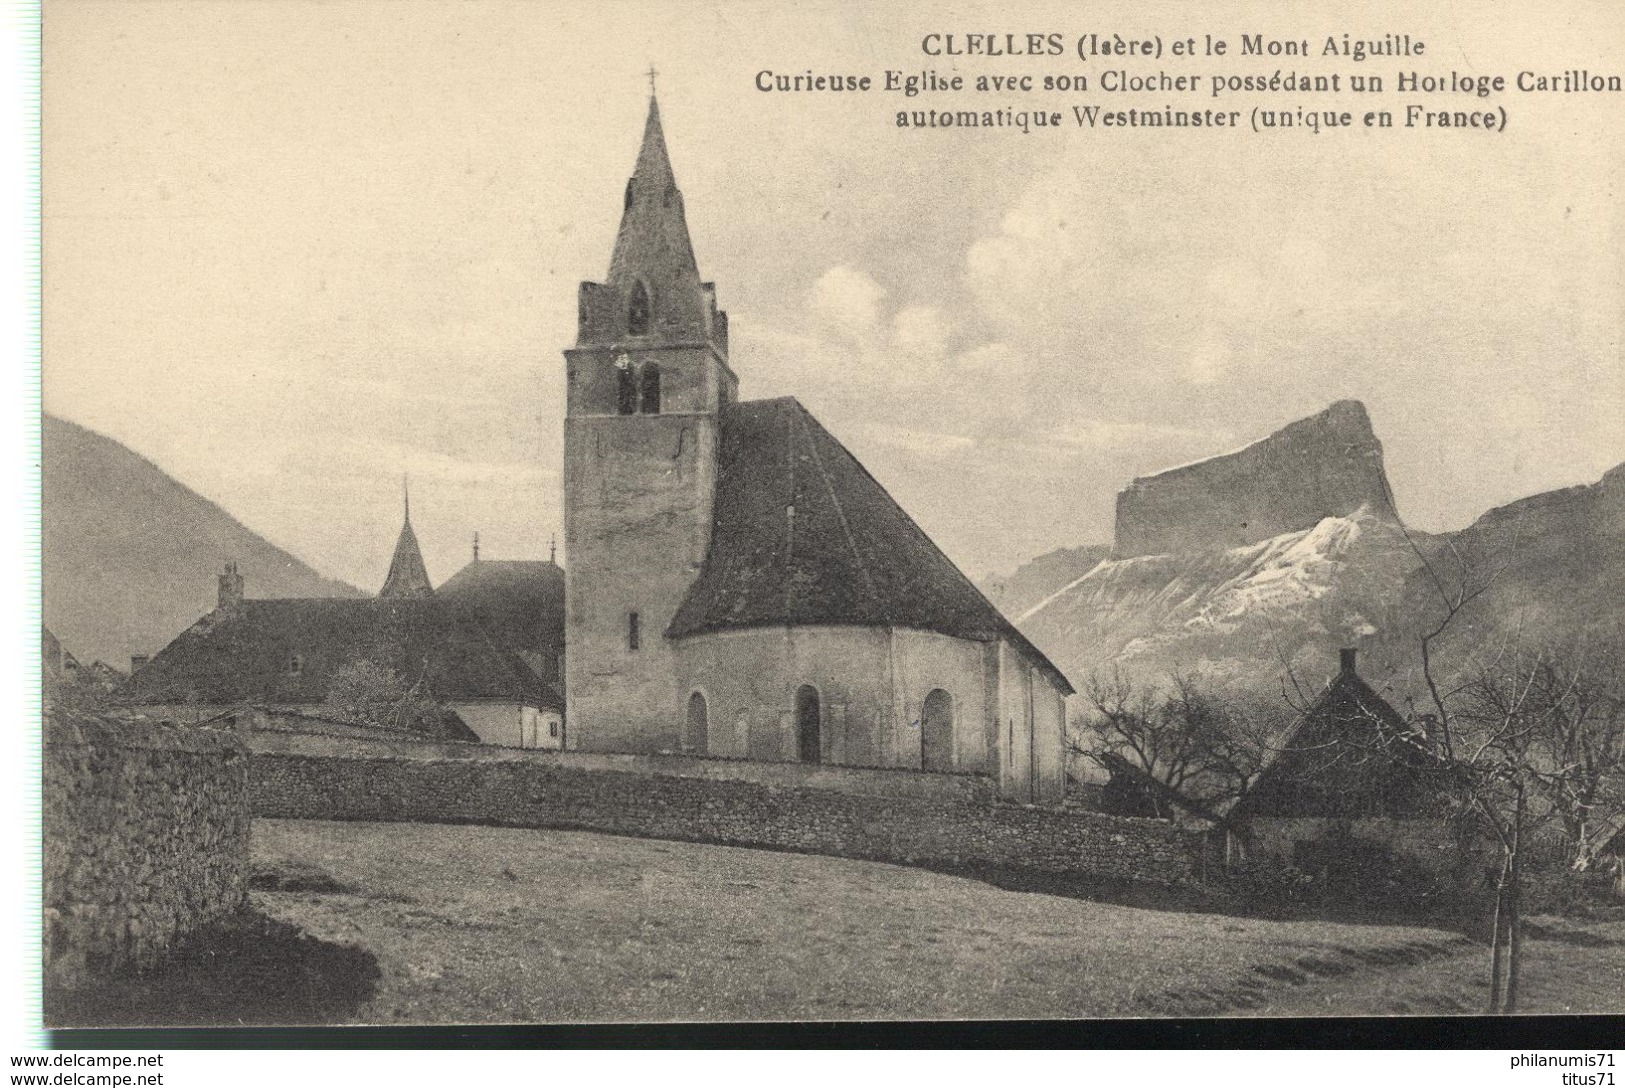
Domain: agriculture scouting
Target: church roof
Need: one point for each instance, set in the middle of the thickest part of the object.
(520, 602)
(245, 653)
(804, 535)
(408, 577)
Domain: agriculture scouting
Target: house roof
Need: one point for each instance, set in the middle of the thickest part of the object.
(245, 652)
(519, 602)
(1332, 761)
(804, 535)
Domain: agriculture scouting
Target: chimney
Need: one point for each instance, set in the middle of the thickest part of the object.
(231, 587)
(136, 662)
(1347, 655)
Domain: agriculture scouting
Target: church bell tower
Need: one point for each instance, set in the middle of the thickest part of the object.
(648, 379)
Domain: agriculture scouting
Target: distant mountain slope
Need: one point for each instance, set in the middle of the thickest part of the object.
(130, 555)
(1237, 615)
(1252, 614)
(1554, 566)
(1038, 578)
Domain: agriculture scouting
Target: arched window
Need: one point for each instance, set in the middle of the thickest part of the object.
(809, 744)
(637, 310)
(649, 390)
(296, 664)
(626, 388)
(937, 732)
(694, 725)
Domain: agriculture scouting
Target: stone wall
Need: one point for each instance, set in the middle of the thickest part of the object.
(870, 781)
(146, 838)
(1436, 845)
(544, 790)
(1328, 465)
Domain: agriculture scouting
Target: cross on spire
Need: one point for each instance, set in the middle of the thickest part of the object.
(651, 74)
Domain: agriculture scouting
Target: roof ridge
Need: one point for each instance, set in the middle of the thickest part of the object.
(840, 509)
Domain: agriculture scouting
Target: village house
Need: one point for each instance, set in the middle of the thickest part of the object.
(1336, 778)
(487, 646)
(737, 583)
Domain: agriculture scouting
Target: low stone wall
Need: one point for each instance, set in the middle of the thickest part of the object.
(872, 781)
(1436, 845)
(146, 838)
(530, 790)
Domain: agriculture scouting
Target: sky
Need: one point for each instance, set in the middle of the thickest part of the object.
(296, 250)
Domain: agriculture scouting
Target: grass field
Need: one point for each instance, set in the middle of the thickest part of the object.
(495, 925)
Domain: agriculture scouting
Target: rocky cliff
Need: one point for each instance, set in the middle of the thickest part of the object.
(1329, 465)
(1254, 568)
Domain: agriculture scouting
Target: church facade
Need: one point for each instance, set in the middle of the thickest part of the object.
(737, 584)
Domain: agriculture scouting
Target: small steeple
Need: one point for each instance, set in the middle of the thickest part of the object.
(407, 575)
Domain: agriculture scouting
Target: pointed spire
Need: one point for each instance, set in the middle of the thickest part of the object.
(653, 294)
(653, 239)
(654, 162)
(408, 577)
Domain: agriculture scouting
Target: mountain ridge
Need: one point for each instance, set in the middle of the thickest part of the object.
(129, 555)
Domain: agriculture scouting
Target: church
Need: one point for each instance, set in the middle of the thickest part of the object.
(737, 584)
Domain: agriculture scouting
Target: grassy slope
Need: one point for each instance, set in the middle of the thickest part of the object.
(474, 924)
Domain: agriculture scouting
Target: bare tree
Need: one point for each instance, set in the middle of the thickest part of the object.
(1195, 748)
(374, 694)
(1471, 737)
(1562, 715)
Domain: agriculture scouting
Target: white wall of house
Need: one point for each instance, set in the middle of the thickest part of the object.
(512, 725)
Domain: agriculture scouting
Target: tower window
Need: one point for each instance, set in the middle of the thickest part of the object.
(637, 311)
(632, 633)
(626, 390)
(296, 664)
(628, 192)
(649, 390)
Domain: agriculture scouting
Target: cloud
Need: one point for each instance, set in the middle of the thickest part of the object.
(848, 300)
(920, 331)
(1101, 434)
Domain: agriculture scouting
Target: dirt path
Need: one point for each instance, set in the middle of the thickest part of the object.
(1567, 968)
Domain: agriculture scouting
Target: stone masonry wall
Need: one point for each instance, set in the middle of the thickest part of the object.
(526, 792)
(146, 838)
(876, 781)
